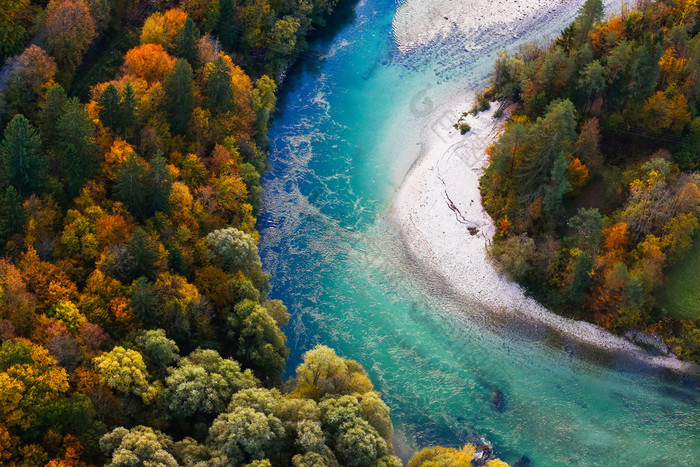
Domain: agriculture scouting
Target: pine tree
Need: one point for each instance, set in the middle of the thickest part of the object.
(590, 13)
(131, 187)
(228, 25)
(144, 253)
(176, 260)
(50, 114)
(144, 300)
(186, 42)
(78, 150)
(110, 109)
(218, 89)
(554, 190)
(23, 164)
(546, 141)
(161, 185)
(127, 111)
(179, 92)
(13, 216)
(646, 63)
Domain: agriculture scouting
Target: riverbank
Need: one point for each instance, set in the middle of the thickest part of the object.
(479, 23)
(445, 231)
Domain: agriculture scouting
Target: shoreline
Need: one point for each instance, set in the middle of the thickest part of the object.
(444, 230)
(418, 23)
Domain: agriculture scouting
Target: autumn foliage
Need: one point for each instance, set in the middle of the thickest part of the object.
(134, 322)
(594, 183)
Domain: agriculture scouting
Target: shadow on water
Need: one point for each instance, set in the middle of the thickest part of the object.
(319, 42)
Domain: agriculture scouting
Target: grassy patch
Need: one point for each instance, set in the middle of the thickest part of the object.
(682, 293)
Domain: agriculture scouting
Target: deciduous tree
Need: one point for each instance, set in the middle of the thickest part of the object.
(70, 29)
(28, 74)
(258, 342)
(148, 61)
(163, 28)
(12, 31)
(202, 384)
(324, 373)
(140, 445)
(123, 370)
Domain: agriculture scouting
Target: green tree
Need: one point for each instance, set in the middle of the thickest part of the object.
(186, 42)
(12, 33)
(180, 98)
(131, 187)
(228, 27)
(140, 445)
(283, 38)
(514, 256)
(161, 184)
(127, 115)
(13, 216)
(251, 177)
(218, 88)
(232, 249)
(646, 65)
(50, 115)
(157, 350)
(144, 301)
(176, 260)
(358, 444)
(202, 384)
(355, 440)
(110, 109)
(590, 13)
(259, 343)
(23, 164)
(678, 236)
(263, 102)
(592, 81)
(581, 273)
(547, 141)
(324, 373)
(554, 190)
(587, 225)
(144, 255)
(244, 435)
(79, 153)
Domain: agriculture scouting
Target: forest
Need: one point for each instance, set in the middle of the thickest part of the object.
(134, 320)
(593, 184)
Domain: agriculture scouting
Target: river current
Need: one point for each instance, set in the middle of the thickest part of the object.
(341, 144)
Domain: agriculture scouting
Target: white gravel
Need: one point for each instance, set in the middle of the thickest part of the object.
(443, 227)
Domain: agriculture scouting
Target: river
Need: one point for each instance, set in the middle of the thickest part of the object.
(342, 142)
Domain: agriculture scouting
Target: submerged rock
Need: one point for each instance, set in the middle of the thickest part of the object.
(498, 401)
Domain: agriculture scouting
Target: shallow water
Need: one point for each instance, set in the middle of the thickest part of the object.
(342, 142)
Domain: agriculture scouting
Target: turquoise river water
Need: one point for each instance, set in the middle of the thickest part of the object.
(339, 152)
